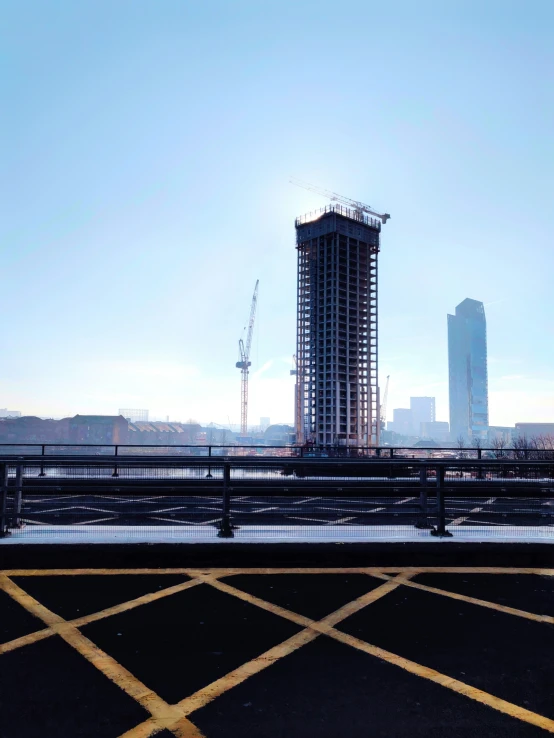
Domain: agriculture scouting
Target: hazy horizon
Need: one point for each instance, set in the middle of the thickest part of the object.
(147, 188)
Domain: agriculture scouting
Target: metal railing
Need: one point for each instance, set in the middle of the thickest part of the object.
(290, 451)
(268, 498)
(341, 210)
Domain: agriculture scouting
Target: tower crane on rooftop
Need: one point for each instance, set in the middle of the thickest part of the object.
(244, 363)
(359, 207)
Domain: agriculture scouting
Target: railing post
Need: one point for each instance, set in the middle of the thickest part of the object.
(3, 500)
(209, 474)
(440, 531)
(423, 522)
(392, 452)
(115, 468)
(226, 530)
(42, 474)
(18, 497)
(480, 466)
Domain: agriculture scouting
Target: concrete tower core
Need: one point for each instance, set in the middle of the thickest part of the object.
(336, 339)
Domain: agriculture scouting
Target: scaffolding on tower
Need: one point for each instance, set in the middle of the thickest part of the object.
(337, 389)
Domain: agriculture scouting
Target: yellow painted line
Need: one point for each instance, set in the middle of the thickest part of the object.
(131, 604)
(471, 570)
(372, 570)
(481, 603)
(85, 572)
(232, 571)
(326, 627)
(93, 617)
(269, 606)
(228, 571)
(232, 679)
(172, 717)
(165, 714)
(467, 690)
(312, 631)
(38, 635)
(342, 613)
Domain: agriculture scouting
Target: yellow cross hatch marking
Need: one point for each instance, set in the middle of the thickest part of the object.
(175, 717)
(164, 713)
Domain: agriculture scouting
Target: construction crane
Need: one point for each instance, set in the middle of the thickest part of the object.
(383, 408)
(297, 401)
(244, 363)
(359, 207)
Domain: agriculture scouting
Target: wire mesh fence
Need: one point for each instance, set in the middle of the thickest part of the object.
(70, 497)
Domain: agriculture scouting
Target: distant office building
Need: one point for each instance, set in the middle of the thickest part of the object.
(402, 422)
(9, 413)
(134, 416)
(264, 423)
(500, 433)
(534, 430)
(423, 411)
(467, 371)
(437, 430)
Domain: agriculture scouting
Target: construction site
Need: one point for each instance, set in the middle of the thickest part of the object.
(336, 361)
(337, 389)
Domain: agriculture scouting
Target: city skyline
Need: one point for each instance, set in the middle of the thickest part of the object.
(143, 248)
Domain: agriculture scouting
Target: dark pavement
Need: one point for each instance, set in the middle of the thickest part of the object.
(359, 643)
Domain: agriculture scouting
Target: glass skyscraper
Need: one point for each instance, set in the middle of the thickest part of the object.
(467, 371)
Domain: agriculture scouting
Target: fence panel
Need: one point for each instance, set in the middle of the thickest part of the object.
(311, 498)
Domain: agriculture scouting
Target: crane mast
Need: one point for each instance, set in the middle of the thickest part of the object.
(383, 409)
(298, 423)
(244, 363)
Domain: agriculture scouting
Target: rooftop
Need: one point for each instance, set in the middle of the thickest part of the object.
(350, 213)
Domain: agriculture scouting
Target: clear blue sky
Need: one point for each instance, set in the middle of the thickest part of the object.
(147, 150)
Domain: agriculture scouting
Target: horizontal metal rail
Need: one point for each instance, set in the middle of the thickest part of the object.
(263, 451)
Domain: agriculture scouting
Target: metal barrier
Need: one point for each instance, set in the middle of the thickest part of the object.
(269, 498)
(236, 451)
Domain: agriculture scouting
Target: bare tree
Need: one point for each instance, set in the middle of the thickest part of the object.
(461, 444)
(521, 446)
(543, 447)
(498, 445)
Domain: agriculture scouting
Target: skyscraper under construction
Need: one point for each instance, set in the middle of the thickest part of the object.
(337, 392)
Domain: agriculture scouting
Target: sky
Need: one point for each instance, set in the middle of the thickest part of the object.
(148, 147)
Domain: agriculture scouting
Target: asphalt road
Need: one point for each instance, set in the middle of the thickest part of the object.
(113, 653)
(205, 510)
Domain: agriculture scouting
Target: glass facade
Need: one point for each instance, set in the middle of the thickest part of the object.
(467, 371)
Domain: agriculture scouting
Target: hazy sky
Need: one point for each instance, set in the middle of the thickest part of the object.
(147, 150)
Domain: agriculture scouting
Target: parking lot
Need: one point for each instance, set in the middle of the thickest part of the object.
(276, 651)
